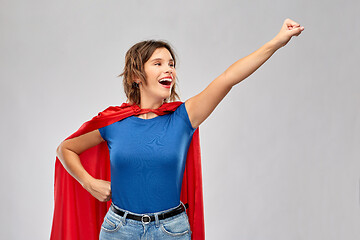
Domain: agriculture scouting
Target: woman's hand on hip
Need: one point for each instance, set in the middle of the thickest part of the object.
(100, 189)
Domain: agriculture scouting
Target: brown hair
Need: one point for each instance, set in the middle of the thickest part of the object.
(135, 59)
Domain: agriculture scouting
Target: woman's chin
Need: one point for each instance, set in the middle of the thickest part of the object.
(165, 96)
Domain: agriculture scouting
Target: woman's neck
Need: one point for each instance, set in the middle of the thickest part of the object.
(149, 105)
(144, 104)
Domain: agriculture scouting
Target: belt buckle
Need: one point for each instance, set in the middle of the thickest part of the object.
(145, 216)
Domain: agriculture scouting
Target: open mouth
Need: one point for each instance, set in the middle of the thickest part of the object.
(165, 81)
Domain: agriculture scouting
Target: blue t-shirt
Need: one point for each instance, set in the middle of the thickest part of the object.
(147, 158)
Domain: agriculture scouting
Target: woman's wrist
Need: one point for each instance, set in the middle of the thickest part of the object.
(86, 182)
(275, 44)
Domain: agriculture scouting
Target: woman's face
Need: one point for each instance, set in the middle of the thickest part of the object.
(160, 75)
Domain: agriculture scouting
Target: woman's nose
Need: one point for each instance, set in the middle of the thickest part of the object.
(169, 70)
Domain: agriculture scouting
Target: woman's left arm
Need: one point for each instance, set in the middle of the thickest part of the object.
(201, 106)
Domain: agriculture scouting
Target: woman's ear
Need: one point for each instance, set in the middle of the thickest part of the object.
(136, 79)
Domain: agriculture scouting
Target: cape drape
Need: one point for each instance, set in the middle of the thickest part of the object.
(79, 216)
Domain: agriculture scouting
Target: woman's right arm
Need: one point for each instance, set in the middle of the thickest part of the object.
(68, 153)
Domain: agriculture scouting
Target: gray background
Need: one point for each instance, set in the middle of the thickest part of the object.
(281, 152)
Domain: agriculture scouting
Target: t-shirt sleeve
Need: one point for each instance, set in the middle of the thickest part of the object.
(182, 113)
(103, 132)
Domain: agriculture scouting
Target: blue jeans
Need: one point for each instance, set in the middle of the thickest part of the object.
(117, 227)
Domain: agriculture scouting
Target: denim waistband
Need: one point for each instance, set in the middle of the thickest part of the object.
(149, 214)
(154, 215)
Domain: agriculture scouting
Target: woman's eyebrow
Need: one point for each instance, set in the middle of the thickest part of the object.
(157, 59)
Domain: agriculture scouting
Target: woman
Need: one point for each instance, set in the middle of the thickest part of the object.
(148, 148)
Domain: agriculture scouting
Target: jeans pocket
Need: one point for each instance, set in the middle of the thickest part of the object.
(177, 226)
(111, 224)
(188, 223)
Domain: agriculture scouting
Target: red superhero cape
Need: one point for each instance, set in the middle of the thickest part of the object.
(78, 215)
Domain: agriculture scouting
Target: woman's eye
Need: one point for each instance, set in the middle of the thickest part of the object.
(159, 64)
